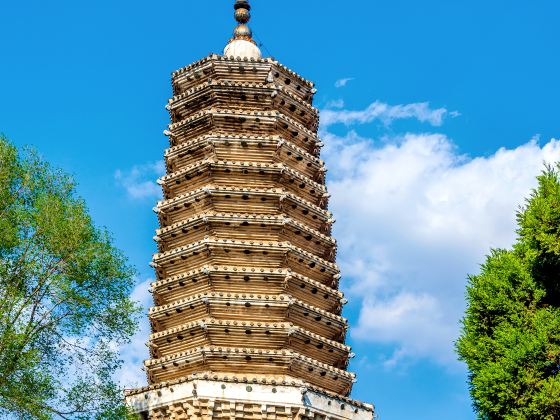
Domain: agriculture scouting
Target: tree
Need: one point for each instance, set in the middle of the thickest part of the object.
(511, 330)
(64, 298)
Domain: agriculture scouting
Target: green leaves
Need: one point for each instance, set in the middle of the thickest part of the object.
(511, 331)
(9, 170)
(64, 297)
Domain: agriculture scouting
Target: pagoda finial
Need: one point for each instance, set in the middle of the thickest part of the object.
(242, 44)
(242, 16)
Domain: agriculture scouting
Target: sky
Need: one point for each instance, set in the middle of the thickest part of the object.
(436, 117)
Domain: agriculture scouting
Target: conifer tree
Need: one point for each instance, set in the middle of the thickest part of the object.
(511, 330)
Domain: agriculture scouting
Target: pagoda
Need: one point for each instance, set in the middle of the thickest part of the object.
(246, 322)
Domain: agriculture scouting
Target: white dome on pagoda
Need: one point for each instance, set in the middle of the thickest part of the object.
(243, 49)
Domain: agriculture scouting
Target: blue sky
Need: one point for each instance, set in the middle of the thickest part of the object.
(436, 117)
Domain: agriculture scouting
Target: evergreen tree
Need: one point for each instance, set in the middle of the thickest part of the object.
(511, 330)
(64, 298)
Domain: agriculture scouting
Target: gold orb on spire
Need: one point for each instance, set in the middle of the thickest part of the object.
(242, 4)
(242, 15)
(242, 32)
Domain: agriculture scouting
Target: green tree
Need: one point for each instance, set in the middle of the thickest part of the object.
(511, 330)
(64, 298)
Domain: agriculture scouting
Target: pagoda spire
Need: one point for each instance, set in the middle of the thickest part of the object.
(242, 44)
(242, 16)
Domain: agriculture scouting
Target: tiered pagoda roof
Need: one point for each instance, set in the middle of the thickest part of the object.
(246, 273)
(246, 279)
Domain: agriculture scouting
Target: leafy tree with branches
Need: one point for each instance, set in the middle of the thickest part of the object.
(64, 298)
(511, 330)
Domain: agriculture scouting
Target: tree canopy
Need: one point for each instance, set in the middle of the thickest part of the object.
(64, 297)
(511, 330)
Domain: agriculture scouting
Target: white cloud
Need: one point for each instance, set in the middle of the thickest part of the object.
(336, 104)
(342, 82)
(406, 314)
(386, 114)
(415, 217)
(139, 181)
(133, 354)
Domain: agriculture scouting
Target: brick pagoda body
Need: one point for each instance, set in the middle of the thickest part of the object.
(246, 322)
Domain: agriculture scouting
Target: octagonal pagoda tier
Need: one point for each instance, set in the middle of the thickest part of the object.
(243, 307)
(258, 201)
(243, 96)
(243, 122)
(216, 279)
(245, 227)
(242, 253)
(269, 336)
(246, 275)
(218, 67)
(249, 361)
(257, 149)
(242, 174)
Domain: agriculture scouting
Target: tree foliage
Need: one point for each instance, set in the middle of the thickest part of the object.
(64, 298)
(511, 331)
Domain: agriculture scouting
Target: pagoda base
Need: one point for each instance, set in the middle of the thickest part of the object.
(231, 399)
